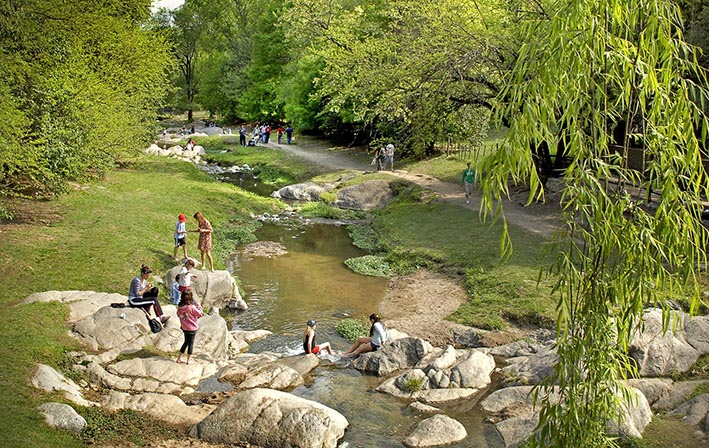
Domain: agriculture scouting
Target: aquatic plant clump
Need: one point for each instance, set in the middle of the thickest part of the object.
(372, 265)
(351, 329)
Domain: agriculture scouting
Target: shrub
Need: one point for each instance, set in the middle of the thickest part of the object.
(351, 329)
(372, 265)
(413, 384)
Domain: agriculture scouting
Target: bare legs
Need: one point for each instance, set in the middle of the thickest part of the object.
(208, 254)
(361, 345)
(326, 346)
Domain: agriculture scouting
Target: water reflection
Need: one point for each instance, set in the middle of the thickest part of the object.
(310, 282)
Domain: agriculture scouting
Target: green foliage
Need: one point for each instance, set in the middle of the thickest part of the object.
(413, 384)
(626, 65)
(232, 234)
(372, 265)
(328, 197)
(364, 236)
(103, 428)
(80, 88)
(351, 329)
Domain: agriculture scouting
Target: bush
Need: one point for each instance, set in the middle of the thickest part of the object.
(372, 265)
(413, 384)
(351, 329)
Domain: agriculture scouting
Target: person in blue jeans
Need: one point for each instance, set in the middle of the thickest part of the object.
(289, 134)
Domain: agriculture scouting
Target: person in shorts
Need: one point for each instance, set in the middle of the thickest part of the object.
(378, 335)
(180, 236)
(309, 344)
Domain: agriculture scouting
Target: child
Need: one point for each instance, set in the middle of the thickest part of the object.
(185, 276)
(180, 236)
(309, 340)
(175, 291)
(189, 312)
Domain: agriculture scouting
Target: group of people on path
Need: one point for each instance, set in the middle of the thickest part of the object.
(384, 157)
(262, 134)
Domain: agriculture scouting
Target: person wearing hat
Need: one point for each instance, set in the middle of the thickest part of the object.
(143, 294)
(309, 340)
(180, 236)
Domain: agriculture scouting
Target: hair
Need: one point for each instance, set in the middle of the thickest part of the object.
(198, 216)
(177, 277)
(187, 298)
(145, 270)
(375, 318)
(189, 263)
(307, 329)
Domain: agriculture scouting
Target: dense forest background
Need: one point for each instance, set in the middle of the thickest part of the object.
(84, 81)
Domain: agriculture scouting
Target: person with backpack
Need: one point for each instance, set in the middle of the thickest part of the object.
(143, 294)
(189, 313)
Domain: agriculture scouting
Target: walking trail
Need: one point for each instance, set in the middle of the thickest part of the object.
(539, 219)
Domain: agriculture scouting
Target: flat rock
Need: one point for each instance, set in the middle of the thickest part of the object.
(46, 378)
(62, 416)
(163, 407)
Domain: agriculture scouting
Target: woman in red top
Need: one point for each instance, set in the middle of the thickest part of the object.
(205, 239)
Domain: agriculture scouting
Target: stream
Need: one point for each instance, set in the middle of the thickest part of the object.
(311, 281)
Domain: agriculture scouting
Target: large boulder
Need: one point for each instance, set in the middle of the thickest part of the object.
(212, 289)
(370, 195)
(62, 416)
(659, 353)
(281, 374)
(163, 407)
(164, 370)
(308, 191)
(396, 355)
(695, 411)
(46, 378)
(81, 303)
(272, 419)
(532, 368)
(436, 431)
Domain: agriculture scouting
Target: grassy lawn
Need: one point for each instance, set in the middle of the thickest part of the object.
(95, 238)
(444, 236)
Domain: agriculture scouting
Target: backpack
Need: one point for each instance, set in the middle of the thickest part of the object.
(155, 325)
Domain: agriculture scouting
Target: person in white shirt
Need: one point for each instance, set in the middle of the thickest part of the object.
(390, 155)
(378, 335)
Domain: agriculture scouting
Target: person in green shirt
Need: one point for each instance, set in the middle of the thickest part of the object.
(468, 180)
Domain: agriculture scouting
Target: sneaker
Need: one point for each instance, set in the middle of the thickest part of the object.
(164, 319)
(467, 201)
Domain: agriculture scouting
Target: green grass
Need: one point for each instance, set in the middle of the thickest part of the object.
(442, 236)
(95, 238)
(666, 432)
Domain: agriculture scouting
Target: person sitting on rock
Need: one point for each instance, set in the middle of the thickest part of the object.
(143, 294)
(378, 335)
(309, 340)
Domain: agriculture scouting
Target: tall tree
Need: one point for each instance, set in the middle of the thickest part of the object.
(586, 66)
(80, 86)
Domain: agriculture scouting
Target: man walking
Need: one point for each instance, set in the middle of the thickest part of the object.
(468, 181)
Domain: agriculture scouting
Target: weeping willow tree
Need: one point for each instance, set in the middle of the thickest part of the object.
(587, 66)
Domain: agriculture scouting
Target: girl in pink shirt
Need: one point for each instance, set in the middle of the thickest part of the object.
(189, 312)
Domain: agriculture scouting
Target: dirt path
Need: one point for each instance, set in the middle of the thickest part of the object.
(539, 219)
(418, 304)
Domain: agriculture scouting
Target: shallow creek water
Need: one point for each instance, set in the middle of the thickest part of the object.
(311, 281)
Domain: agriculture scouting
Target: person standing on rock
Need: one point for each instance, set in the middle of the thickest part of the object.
(189, 313)
(378, 335)
(143, 294)
(205, 239)
(180, 236)
(468, 181)
(185, 275)
(309, 340)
